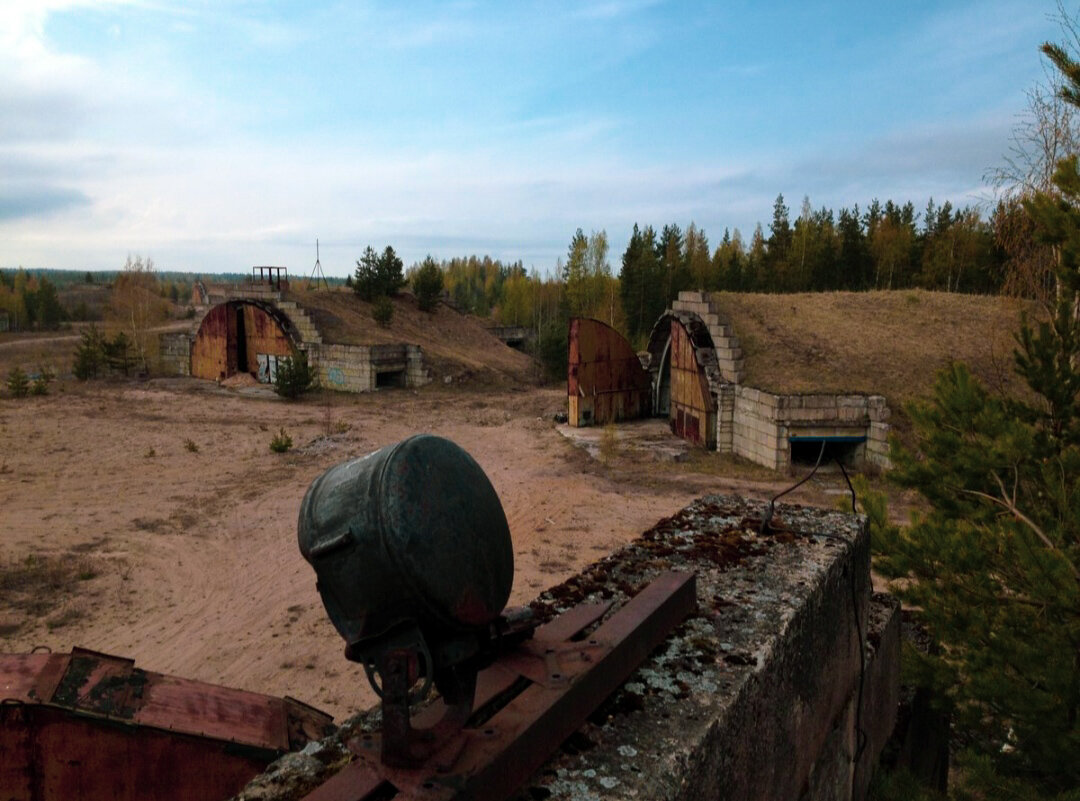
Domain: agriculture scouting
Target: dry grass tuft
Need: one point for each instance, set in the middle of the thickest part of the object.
(609, 447)
(36, 584)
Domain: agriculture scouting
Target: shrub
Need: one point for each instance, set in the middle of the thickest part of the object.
(281, 442)
(382, 311)
(294, 376)
(191, 445)
(17, 383)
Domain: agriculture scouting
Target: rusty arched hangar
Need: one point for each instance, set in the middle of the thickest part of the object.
(692, 375)
(242, 336)
(248, 329)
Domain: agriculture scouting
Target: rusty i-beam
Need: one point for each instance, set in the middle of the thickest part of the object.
(527, 702)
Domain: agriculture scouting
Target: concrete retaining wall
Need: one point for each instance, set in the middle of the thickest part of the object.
(763, 422)
(174, 353)
(356, 368)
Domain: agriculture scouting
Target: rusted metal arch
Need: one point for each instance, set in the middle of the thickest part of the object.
(660, 343)
(276, 314)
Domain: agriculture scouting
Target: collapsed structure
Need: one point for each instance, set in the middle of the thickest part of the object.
(693, 374)
(249, 328)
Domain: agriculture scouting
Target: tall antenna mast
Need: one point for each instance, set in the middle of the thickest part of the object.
(317, 273)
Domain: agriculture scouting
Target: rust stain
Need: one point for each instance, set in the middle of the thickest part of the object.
(93, 726)
(693, 408)
(605, 379)
(231, 336)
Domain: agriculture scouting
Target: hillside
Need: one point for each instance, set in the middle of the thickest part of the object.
(888, 343)
(454, 343)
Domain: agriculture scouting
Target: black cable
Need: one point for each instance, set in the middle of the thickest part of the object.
(861, 738)
(767, 517)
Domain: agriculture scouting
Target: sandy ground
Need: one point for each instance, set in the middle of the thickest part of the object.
(184, 523)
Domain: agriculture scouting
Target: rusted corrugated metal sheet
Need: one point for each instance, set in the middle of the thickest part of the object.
(693, 408)
(605, 380)
(87, 725)
(231, 337)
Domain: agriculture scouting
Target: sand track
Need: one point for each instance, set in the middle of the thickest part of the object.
(194, 546)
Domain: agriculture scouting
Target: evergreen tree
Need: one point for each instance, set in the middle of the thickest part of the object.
(853, 262)
(390, 272)
(47, 309)
(639, 284)
(674, 271)
(89, 354)
(294, 376)
(428, 284)
(17, 382)
(366, 277)
(774, 266)
(994, 566)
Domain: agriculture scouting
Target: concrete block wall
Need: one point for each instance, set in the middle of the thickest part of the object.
(755, 431)
(174, 353)
(355, 368)
(305, 326)
(346, 368)
(416, 373)
(725, 418)
(729, 355)
(763, 421)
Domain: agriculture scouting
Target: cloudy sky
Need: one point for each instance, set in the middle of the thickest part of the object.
(215, 135)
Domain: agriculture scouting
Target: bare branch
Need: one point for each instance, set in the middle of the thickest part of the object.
(1023, 518)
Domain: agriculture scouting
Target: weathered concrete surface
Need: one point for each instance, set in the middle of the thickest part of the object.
(753, 697)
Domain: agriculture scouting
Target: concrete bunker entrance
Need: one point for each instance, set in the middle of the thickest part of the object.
(390, 378)
(808, 450)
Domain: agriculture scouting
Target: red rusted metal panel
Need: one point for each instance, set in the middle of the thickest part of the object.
(693, 408)
(234, 334)
(605, 380)
(93, 726)
(209, 352)
(569, 680)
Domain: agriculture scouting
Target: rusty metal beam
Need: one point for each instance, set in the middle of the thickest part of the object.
(569, 679)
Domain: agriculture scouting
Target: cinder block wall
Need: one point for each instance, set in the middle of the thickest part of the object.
(755, 431)
(346, 368)
(174, 353)
(763, 421)
(355, 368)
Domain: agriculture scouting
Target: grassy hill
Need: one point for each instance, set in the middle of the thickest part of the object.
(890, 343)
(454, 343)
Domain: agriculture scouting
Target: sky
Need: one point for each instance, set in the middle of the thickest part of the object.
(213, 136)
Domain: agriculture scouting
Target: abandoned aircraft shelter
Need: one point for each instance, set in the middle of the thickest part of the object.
(248, 328)
(692, 374)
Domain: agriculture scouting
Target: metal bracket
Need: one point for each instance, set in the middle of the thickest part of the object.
(562, 681)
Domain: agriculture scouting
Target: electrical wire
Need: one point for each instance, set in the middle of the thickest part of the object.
(861, 738)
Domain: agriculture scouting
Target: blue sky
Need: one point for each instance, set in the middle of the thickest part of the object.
(212, 136)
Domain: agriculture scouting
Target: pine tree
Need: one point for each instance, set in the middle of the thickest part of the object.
(994, 566)
(428, 284)
(89, 354)
(294, 376)
(18, 383)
